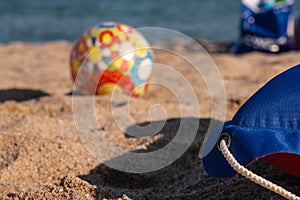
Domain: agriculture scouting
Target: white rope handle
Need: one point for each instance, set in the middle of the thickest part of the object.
(253, 177)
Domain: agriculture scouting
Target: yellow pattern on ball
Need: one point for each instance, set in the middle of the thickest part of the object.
(108, 88)
(94, 54)
(76, 65)
(117, 63)
(141, 51)
(139, 90)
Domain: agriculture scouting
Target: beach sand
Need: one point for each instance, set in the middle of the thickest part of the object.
(42, 156)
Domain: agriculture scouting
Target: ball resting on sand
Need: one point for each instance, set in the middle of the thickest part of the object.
(109, 57)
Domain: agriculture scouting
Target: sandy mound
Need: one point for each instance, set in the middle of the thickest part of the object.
(41, 154)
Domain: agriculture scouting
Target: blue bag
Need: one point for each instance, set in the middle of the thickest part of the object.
(265, 26)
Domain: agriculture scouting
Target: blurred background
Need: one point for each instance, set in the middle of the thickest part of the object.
(37, 21)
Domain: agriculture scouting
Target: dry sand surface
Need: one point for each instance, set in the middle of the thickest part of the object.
(42, 156)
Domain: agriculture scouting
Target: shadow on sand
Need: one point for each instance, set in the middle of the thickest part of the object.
(171, 180)
(20, 94)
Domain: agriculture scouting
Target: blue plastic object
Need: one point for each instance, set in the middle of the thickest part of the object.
(267, 126)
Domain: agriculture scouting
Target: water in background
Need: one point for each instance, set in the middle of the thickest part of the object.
(36, 21)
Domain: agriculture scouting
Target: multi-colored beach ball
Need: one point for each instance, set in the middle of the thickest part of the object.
(111, 56)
